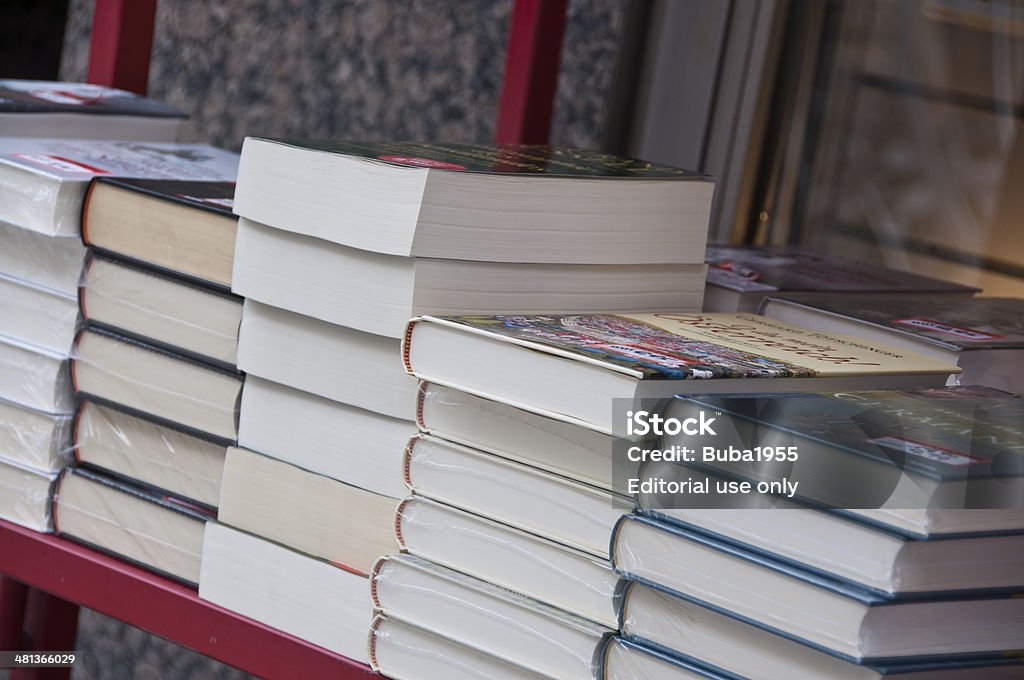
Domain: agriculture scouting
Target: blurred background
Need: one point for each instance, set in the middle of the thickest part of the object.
(887, 130)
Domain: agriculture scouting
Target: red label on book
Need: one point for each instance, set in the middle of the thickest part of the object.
(419, 162)
(65, 165)
(949, 329)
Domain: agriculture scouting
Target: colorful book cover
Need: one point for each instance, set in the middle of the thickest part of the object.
(698, 346)
(972, 323)
(41, 96)
(946, 433)
(770, 269)
(501, 159)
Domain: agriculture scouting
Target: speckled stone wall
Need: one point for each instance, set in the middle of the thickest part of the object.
(367, 69)
(424, 70)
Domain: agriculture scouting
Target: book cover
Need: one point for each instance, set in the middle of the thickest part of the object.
(769, 269)
(499, 159)
(694, 345)
(973, 323)
(41, 96)
(948, 433)
(215, 197)
(81, 160)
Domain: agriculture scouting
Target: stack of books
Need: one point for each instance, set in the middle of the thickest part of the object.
(41, 258)
(920, 587)
(154, 371)
(517, 482)
(338, 245)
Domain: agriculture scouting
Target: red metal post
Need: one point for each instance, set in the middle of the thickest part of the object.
(51, 625)
(121, 43)
(531, 71)
(12, 614)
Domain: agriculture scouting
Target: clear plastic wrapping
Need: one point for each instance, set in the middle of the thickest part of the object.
(746, 651)
(564, 448)
(405, 652)
(142, 527)
(499, 622)
(25, 495)
(34, 439)
(626, 660)
(53, 263)
(830, 614)
(171, 312)
(154, 454)
(34, 199)
(525, 563)
(536, 501)
(35, 378)
(153, 381)
(37, 316)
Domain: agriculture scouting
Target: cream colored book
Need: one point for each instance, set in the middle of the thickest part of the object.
(166, 310)
(306, 511)
(154, 381)
(573, 366)
(37, 316)
(35, 377)
(134, 523)
(152, 453)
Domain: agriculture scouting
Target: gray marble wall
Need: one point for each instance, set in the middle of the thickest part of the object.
(422, 70)
(425, 70)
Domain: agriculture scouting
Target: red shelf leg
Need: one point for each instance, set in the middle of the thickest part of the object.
(51, 625)
(13, 595)
(121, 43)
(531, 72)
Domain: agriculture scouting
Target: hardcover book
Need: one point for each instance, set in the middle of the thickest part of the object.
(182, 226)
(153, 453)
(829, 615)
(35, 439)
(132, 522)
(45, 180)
(684, 632)
(34, 377)
(42, 261)
(509, 557)
(168, 311)
(402, 651)
(573, 366)
(496, 621)
(39, 108)
(504, 203)
(923, 454)
(37, 316)
(739, 278)
(985, 335)
(187, 393)
(527, 498)
(25, 495)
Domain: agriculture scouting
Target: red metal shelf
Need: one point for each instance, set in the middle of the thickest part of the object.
(90, 579)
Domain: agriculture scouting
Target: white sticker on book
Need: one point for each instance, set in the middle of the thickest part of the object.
(930, 452)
